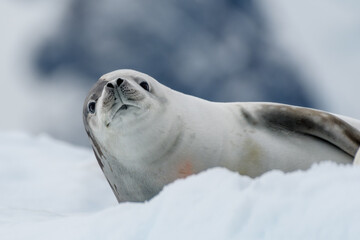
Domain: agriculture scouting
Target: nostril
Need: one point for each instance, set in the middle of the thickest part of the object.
(110, 85)
(119, 81)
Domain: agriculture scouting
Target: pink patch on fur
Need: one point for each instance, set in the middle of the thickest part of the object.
(185, 169)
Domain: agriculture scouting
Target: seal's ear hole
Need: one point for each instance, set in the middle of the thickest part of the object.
(91, 106)
(145, 86)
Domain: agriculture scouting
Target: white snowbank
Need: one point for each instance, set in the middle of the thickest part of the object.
(51, 190)
(42, 174)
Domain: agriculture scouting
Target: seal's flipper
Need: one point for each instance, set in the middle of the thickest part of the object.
(311, 122)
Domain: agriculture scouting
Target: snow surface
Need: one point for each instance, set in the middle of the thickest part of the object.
(52, 190)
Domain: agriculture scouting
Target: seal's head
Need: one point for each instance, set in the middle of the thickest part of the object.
(121, 103)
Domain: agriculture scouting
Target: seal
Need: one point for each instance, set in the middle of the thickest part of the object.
(146, 135)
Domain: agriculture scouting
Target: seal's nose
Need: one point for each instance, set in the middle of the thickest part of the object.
(115, 83)
(109, 85)
(119, 81)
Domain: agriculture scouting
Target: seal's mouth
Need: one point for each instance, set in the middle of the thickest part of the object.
(120, 110)
(123, 107)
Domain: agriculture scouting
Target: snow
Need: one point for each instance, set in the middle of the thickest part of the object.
(53, 190)
(51, 176)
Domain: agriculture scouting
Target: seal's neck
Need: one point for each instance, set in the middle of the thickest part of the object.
(144, 143)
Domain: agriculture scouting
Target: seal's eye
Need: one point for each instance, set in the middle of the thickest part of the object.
(91, 107)
(145, 86)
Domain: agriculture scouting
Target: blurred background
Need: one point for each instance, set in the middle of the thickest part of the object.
(299, 52)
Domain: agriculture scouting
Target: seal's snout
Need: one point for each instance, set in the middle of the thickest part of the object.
(115, 83)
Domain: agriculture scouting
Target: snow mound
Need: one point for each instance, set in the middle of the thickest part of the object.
(52, 190)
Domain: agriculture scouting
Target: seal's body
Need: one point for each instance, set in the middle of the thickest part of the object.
(146, 135)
